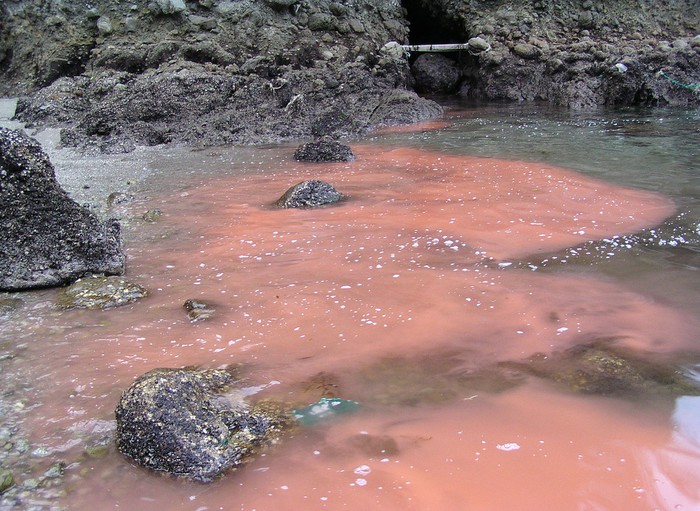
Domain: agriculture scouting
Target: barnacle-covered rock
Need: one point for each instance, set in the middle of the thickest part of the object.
(179, 421)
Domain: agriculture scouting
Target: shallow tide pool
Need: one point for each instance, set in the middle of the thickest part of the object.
(467, 247)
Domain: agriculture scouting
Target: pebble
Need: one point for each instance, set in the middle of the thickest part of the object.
(6, 480)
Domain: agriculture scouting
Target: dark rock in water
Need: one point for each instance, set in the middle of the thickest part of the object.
(46, 238)
(198, 310)
(402, 107)
(100, 293)
(309, 194)
(601, 367)
(176, 421)
(435, 73)
(431, 377)
(323, 151)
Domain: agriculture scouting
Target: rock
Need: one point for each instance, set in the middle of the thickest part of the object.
(177, 421)
(601, 367)
(9, 305)
(104, 25)
(97, 451)
(680, 44)
(393, 50)
(527, 51)
(171, 6)
(324, 151)
(7, 481)
(403, 107)
(100, 293)
(322, 21)
(47, 239)
(119, 199)
(152, 215)
(435, 73)
(280, 4)
(478, 45)
(198, 310)
(309, 194)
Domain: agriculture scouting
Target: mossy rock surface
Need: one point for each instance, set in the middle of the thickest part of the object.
(604, 368)
(100, 293)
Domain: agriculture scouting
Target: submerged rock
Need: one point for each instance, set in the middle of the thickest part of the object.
(309, 194)
(602, 368)
(9, 305)
(46, 239)
(152, 215)
(177, 421)
(100, 293)
(324, 151)
(197, 310)
(6, 480)
(430, 378)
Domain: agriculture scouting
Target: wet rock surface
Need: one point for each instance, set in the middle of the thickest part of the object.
(602, 367)
(309, 194)
(205, 73)
(100, 293)
(176, 421)
(199, 310)
(47, 239)
(324, 151)
(435, 72)
(209, 74)
(581, 55)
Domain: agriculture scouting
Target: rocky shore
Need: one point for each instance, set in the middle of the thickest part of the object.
(208, 72)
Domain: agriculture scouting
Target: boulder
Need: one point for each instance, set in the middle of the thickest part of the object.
(435, 73)
(178, 421)
(47, 239)
(309, 194)
(324, 151)
(403, 107)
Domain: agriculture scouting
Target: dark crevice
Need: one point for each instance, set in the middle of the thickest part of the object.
(431, 25)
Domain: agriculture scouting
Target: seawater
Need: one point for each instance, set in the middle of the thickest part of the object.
(495, 234)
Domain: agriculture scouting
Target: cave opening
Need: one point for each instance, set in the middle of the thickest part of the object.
(430, 25)
(446, 73)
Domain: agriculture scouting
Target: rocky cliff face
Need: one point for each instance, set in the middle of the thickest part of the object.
(209, 72)
(49, 39)
(116, 74)
(575, 53)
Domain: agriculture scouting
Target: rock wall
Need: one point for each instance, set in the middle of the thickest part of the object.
(577, 53)
(116, 74)
(210, 72)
